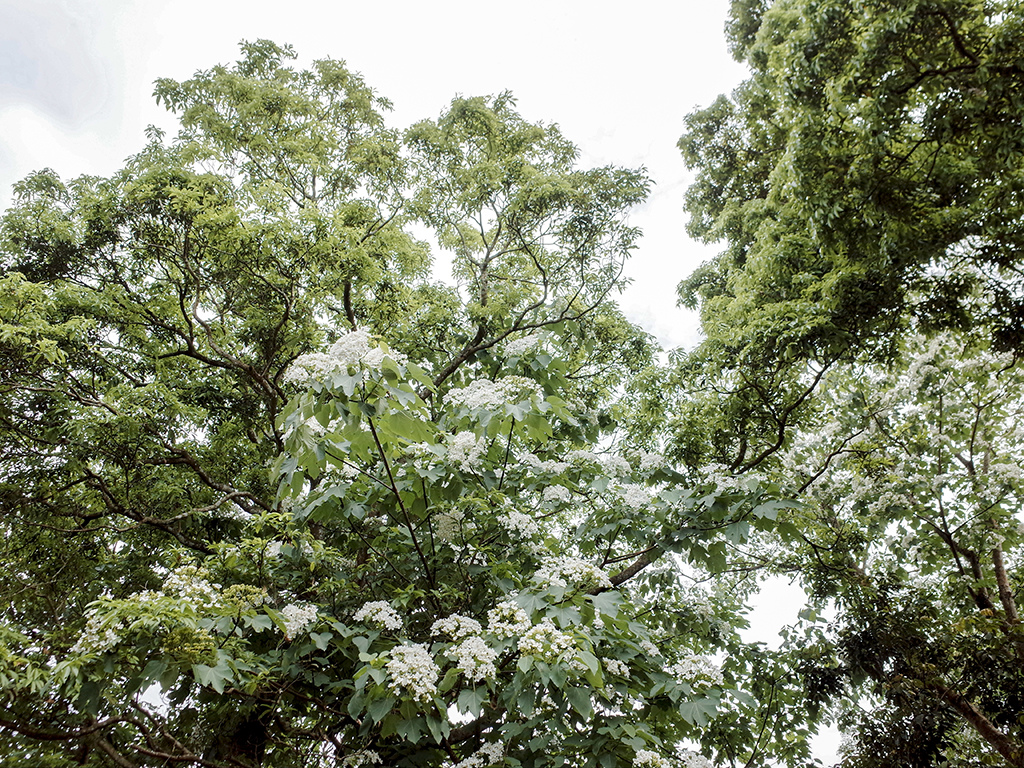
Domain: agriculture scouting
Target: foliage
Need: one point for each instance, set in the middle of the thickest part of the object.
(866, 176)
(272, 496)
(862, 331)
(918, 538)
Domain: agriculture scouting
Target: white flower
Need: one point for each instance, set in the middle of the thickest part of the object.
(633, 495)
(518, 347)
(360, 758)
(645, 758)
(688, 759)
(616, 667)
(583, 457)
(489, 754)
(412, 670)
(297, 618)
(379, 613)
(189, 585)
(516, 522)
(100, 634)
(465, 450)
(315, 366)
(650, 648)
(474, 658)
(547, 642)
(557, 494)
(507, 619)
(484, 393)
(456, 626)
(615, 465)
(351, 350)
(548, 466)
(563, 571)
(651, 461)
(699, 670)
(354, 348)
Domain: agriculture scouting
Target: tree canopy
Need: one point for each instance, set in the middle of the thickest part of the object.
(862, 338)
(274, 496)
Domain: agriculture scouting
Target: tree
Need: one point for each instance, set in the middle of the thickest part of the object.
(273, 497)
(865, 176)
(866, 182)
(914, 531)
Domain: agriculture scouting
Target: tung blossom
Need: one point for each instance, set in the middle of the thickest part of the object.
(351, 350)
(565, 571)
(484, 393)
(545, 641)
(698, 670)
(475, 659)
(456, 626)
(298, 617)
(465, 450)
(380, 614)
(413, 671)
(507, 619)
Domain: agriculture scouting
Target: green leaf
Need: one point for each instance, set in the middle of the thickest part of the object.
(579, 698)
(378, 708)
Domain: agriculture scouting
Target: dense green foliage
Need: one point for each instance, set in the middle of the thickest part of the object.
(273, 496)
(863, 329)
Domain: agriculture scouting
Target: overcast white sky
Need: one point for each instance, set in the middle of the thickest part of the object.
(618, 77)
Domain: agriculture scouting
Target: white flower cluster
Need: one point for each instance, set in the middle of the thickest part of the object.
(724, 479)
(633, 495)
(615, 465)
(351, 350)
(97, 638)
(456, 627)
(583, 457)
(547, 642)
(688, 759)
(616, 667)
(475, 659)
(356, 347)
(489, 754)
(563, 571)
(298, 617)
(516, 522)
(413, 671)
(650, 648)
(699, 602)
(360, 758)
(518, 347)
(189, 585)
(507, 619)
(555, 494)
(465, 450)
(699, 670)
(645, 758)
(650, 461)
(379, 613)
(548, 466)
(484, 393)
